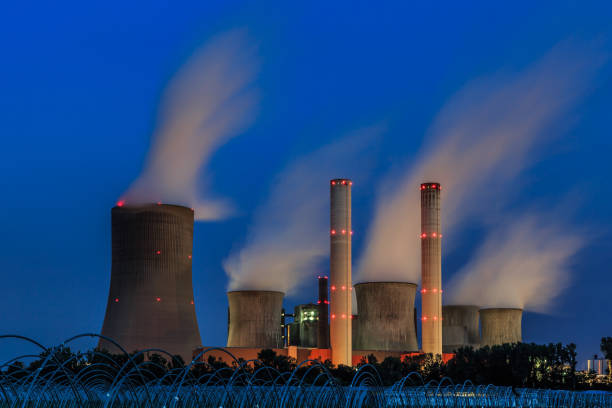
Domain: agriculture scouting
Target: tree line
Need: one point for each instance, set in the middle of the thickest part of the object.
(551, 366)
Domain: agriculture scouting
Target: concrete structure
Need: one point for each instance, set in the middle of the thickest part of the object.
(340, 331)
(150, 301)
(323, 322)
(255, 319)
(459, 327)
(500, 325)
(305, 327)
(386, 316)
(431, 269)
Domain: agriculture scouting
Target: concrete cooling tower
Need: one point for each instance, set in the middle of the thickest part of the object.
(500, 325)
(459, 327)
(255, 319)
(340, 327)
(386, 316)
(431, 269)
(150, 302)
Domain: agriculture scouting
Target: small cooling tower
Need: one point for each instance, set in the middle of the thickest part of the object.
(459, 327)
(500, 325)
(150, 301)
(386, 316)
(255, 319)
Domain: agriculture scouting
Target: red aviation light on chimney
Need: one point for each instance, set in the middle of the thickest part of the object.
(343, 287)
(423, 235)
(424, 291)
(158, 252)
(434, 234)
(343, 316)
(333, 316)
(343, 232)
(326, 302)
(189, 256)
(333, 232)
(159, 203)
(424, 318)
(333, 183)
(318, 302)
(344, 182)
(191, 302)
(158, 299)
(120, 203)
(116, 300)
(333, 287)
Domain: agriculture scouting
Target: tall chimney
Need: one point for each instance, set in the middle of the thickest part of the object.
(340, 330)
(323, 302)
(431, 270)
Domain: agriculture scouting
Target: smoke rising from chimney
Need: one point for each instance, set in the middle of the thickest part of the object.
(480, 141)
(523, 263)
(290, 231)
(209, 100)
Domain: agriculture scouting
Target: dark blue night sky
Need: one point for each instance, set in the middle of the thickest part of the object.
(81, 84)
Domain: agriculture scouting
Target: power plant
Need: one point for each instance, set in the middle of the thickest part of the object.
(431, 269)
(386, 316)
(500, 325)
(459, 327)
(150, 301)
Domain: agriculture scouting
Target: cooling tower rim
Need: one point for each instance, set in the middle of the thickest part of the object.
(493, 309)
(463, 306)
(147, 206)
(255, 291)
(386, 283)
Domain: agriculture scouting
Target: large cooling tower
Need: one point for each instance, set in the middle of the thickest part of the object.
(255, 319)
(459, 327)
(340, 332)
(150, 302)
(431, 269)
(500, 325)
(386, 316)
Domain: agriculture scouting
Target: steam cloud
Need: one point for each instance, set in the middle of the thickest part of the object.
(289, 235)
(523, 264)
(209, 101)
(481, 140)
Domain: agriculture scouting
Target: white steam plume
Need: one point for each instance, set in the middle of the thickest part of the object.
(290, 232)
(482, 139)
(523, 263)
(209, 101)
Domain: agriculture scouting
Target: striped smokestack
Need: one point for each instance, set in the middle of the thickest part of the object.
(431, 270)
(340, 331)
(323, 304)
